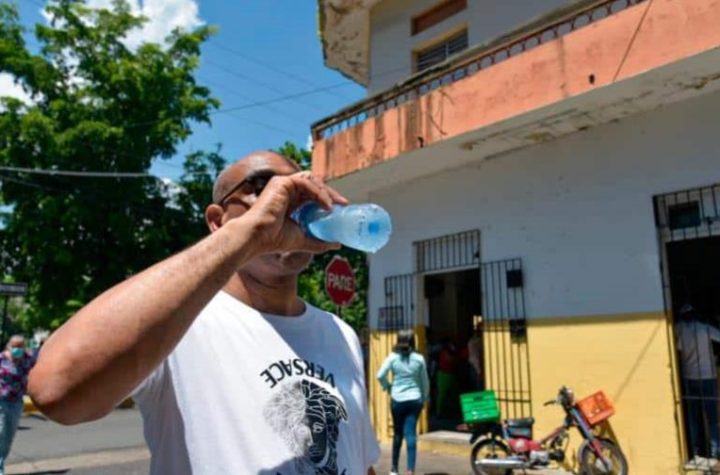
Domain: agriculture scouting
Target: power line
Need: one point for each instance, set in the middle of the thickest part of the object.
(140, 209)
(283, 113)
(632, 41)
(251, 105)
(86, 174)
(255, 81)
(271, 67)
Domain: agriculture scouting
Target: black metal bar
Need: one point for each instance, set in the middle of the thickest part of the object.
(527, 357)
(512, 360)
(488, 319)
(499, 288)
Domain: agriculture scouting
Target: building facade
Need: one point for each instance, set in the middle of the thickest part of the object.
(555, 185)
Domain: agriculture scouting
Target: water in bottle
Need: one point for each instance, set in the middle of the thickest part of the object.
(366, 227)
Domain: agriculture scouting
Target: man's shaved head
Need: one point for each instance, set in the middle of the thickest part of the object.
(237, 171)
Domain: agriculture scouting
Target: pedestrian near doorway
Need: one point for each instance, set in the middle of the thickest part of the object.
(446, 378)
(15, 364)
(475, 351)
(695, 338)
(409, 390)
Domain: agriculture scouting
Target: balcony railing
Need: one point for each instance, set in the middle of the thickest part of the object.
(543, 30)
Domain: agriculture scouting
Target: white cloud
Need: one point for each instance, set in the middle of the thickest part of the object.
(8, 88)
(163, 16)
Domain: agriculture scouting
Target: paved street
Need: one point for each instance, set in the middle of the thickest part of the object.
(115, 446)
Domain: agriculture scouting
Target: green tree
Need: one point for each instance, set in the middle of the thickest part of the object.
(97, 105)
(312, 282)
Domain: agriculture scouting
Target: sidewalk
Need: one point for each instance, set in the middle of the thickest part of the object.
(428, 463)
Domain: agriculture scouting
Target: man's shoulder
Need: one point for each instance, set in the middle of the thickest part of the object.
(330, 319)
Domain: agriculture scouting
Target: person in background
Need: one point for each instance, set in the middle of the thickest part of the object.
(446, 379)
(408, 392)
(475, 351)
(699, 373)
(15, 364)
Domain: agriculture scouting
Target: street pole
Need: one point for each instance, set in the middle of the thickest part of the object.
(4, 318)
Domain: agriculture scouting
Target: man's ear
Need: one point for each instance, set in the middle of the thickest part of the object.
(214, 217)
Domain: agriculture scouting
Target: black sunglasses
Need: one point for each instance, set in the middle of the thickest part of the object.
(252, 185)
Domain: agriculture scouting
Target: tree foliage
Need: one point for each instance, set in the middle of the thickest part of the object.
(97, 105)
(312, 281)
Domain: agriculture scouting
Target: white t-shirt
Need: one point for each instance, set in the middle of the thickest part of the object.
(252, 393)
(695, 344)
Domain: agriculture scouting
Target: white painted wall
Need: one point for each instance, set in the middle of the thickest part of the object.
(392, 45)
(577, 210)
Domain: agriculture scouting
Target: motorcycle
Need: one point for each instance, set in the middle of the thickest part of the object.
(500, 448)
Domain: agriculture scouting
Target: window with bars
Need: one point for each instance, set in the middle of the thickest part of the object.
(438, 53)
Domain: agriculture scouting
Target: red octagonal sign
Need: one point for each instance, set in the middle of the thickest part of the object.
(340, 281)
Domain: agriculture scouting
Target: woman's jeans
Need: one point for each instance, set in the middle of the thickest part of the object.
(10, 413)
(405, 417)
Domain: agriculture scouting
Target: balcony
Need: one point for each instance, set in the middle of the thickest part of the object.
(573, 69)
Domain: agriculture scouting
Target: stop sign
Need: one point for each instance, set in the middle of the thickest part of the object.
(340, 281)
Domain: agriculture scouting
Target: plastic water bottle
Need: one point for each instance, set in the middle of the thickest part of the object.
(366, 227)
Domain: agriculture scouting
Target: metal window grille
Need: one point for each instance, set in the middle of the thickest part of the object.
(438, 53)
(682, 217)
(507, 363)
(688, 214)
(399, 310)
(448, 252)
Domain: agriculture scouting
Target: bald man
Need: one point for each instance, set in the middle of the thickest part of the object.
(214, 342)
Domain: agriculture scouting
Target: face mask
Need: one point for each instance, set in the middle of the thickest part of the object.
(17, 353)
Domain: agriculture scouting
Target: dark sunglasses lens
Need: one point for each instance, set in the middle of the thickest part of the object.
(259, 183)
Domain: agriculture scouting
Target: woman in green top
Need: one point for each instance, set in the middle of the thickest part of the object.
(408, 392)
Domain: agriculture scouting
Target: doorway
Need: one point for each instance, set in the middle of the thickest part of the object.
(453, 300)
(694, 279)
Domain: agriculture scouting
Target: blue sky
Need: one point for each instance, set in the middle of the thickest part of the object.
(264, 49)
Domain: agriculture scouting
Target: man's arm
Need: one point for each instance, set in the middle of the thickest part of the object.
(714, 333)
(112, 344)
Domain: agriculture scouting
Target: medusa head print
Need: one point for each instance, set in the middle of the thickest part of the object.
(308, 417)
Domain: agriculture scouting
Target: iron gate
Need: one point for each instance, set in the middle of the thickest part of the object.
(507, 363)
(399, 310)
(688, 224)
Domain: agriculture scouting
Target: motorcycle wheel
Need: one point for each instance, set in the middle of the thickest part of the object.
(591, 464)
(489, 448)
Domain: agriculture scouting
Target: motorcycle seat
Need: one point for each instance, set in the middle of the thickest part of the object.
(525, 422)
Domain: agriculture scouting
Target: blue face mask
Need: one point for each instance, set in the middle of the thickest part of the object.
(17, 353)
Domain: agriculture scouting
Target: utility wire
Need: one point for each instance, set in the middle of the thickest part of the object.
(255, 81)
(632, 41)
(141, 210)
(283, 113)
(271, 67)
(86, 174)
